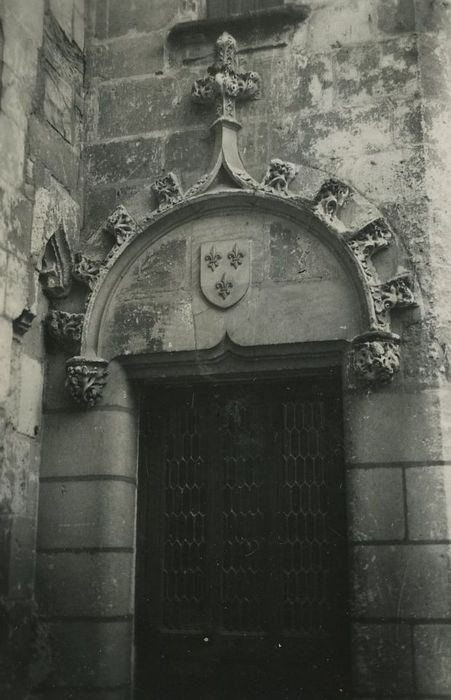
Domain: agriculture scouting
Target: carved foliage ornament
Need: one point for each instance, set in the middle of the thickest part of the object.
(86, 270)
(85, 379)
(376, 359)
(64, 326)
(167, 190)
(121, 225)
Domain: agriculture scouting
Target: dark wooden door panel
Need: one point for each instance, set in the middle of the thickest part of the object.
(241, 542)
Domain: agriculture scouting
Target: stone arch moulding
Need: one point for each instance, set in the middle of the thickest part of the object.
(338, 220)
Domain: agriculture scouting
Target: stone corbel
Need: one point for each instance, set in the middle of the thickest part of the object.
(167, 190)
(375, 357)
(85, 379)
(64, 327)
(279, 175)
(23, 322)
(331, 200)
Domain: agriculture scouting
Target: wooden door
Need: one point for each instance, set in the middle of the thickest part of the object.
(241, 563)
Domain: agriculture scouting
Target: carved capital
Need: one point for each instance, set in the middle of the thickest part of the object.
(167, 190)
(279, 175)
(121, 225)
(331, 198)
(86, 270)
(64, 327)
(85, 379)
(376, 357)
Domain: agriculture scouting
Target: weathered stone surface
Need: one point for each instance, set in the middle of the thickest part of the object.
(81, 583)
(191, 147)
(110, 448)
(433, 658)
(374, 436)
(12, 146)
(406, 581)
(376, 504)
(63, 12)
(86, 514)
(369, 72)
(29, 410)
(396, 16)
(123, 18)
(124, 160)
(428, 502)
(57, 155)
(88, 654)
(128, 56)
(139, 106)
(383, 658)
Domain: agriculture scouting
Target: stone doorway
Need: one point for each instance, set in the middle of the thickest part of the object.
(241, 553)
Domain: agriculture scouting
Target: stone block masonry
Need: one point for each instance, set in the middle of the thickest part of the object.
(40, 122)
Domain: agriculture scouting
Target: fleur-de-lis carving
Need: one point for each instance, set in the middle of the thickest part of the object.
(212, 258)
(235, 257)
(224, 287)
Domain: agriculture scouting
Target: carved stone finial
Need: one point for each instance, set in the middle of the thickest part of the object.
(167, 190)
(121, 225)
(376, 357)
(331, 199)
(63, 326)
(86, 270)
(56, 266)
(279, 175)
(225, 85)
(85, 379)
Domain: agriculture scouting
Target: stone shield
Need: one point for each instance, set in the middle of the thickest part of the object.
(225, 271)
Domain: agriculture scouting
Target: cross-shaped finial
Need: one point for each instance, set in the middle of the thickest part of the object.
(224, 85)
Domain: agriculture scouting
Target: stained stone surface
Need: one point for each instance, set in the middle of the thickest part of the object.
(299, 290)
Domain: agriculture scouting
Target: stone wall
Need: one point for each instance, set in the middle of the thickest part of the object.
(358, 89)
(40, 190)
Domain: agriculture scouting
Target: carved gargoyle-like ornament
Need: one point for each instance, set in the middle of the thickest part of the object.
(85, 379)
(279, 175)
(332, 198)
(376, 357)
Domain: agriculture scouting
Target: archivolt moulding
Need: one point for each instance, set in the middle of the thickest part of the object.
(375, 355)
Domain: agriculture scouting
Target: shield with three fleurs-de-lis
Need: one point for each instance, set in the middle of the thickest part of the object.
(225, 271)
